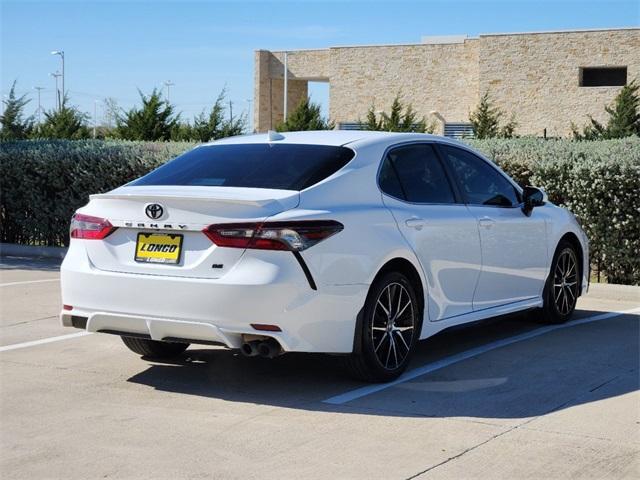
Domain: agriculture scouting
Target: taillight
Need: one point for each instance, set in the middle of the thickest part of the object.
(292, 236)
(90, 228)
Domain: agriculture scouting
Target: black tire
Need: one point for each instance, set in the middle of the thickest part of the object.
(563, 285)
(154, 348)
(384, 336)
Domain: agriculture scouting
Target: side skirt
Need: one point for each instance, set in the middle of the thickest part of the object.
(431, 328)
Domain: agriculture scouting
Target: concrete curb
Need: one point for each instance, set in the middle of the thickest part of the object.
(16, 250)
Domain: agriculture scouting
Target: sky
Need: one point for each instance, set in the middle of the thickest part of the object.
(115, 48)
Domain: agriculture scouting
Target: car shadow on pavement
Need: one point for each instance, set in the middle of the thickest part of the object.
(569, 366)
(30, 263)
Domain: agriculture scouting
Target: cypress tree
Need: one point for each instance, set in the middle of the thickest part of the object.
(154, 120)
(401, 118)
(306, 116)
(624, 117)
(67, 122)
(14, 127)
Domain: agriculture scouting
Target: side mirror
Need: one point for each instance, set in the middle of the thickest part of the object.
(532, 197)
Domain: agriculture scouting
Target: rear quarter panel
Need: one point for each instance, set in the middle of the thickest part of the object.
(370, 237)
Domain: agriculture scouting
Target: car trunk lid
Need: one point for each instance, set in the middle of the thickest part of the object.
(184, 211)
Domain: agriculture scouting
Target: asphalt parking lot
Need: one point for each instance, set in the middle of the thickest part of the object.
(503, 399)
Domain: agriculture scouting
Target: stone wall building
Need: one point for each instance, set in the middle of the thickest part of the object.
(546, 80)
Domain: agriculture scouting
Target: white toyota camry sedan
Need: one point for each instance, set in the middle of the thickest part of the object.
(342, 242)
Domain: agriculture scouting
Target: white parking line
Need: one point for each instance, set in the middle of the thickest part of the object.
(33, 343)
(474, 352)
(29, 281)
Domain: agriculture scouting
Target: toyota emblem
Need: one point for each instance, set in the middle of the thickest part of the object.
(154, 211)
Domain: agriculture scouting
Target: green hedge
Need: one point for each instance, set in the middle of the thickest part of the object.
(43, 182)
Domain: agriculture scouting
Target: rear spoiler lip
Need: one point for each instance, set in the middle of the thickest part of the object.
(151, 198)
(213, 198)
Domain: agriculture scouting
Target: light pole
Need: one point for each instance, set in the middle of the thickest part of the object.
(95, 117)
(249, 100)
(168, 84)
(61, 54)
(286, 89)
(39, 89)
(58, 103)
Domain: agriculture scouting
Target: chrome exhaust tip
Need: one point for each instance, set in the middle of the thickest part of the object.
(250, 349)
(269, 348)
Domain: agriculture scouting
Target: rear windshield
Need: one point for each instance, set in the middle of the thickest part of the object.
(279, 166)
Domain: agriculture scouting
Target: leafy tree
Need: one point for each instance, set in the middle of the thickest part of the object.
(233, 126)
(111, 112)
(67, 122)
(508, 130)
(306, 116)
(14, 127)
(486, 120)
(624, 117)
(208, 127)
(373, 123)
(212, 125)
(182, 132)
(104, 132)
(396, 120)
(154, 120)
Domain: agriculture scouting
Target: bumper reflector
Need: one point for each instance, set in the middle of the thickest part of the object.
(265, 327)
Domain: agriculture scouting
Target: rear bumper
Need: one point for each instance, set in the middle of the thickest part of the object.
(264, 287)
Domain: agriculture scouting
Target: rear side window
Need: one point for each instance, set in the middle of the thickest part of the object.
(414, 173)
(279, 166)
(481, 183)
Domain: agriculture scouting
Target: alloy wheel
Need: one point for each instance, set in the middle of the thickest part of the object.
(394, 322)
(565, 282)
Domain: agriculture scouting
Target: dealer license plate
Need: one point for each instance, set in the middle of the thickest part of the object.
(158, 248)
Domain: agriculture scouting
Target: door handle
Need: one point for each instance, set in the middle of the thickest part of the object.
(486, 222)
(416, 223)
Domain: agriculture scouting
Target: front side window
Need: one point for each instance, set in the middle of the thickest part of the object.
(414, 173)
(481, 184)
(279, 166)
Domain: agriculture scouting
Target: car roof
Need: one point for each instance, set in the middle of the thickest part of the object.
(353, 138)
